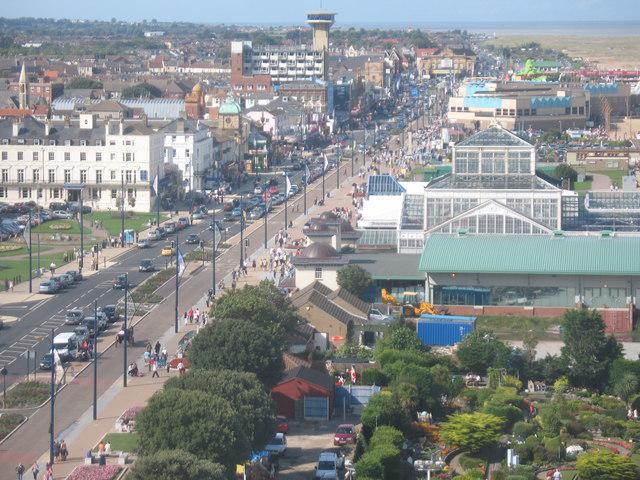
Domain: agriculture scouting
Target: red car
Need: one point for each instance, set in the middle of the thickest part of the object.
(345, 433)
(282, 424)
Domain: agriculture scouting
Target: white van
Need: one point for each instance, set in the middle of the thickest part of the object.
(66, 344)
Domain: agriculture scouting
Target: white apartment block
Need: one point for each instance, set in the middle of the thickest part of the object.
(38, 159)
(283, 63)
(188, 146)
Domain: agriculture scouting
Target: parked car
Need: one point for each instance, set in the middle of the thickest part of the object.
(168, 251)
(277, 445)
(111, 313)
(345, 434)
(46, 362)
(327, 466)
(277, 199)
(146, 265)
(68, 279)
(58, 206)
(77, 276)
(154, 235)
(62, 214)
(145, 243)
(89, 322)
(217, 222)
(376, 315)
(82, 333)
(121, 282)
(199, 215)
(257, 190)
(256, 213)
(73, 317)
(183, 222)
(193, 239)
(162, 232)
(293, 190)
(58, 282)
(48, 287)
(170, 228)
(282, 424)
(66, 344)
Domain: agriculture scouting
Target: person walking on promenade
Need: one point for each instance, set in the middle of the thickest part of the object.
(35, 470)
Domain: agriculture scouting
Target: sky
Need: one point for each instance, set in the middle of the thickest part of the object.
(350, 12)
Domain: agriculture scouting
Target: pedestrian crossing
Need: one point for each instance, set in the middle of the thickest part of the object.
(30, 340)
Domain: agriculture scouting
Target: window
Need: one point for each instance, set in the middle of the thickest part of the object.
(493, 162)
(318, 274)
(3, 192)
(467, 162)
(56, 193)
(98, 156)
(21, 175)
(113, 175)
(113, 156)
(52, 175)
(186, 152)
(114, 193)
(144, 176)
(5, 175)
(36, 175)
(52, 156)
(67, 156)
(25, 193)
(128, 177)
(83, 156)
(83, 176)
(96, 193)
(20, 155)
(5, 155)
(39, 193)
(34, 155)
(98, 176)
(128, 157)
(519, 162)
(67, 176)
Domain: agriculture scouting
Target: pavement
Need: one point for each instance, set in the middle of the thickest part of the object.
(80, 432)
(600, 182)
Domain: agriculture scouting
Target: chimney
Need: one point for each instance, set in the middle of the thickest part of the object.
(47, 127)
(16, 126)
(121, 127)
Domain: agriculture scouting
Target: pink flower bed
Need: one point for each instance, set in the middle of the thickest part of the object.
(94, 472)
(130, 414)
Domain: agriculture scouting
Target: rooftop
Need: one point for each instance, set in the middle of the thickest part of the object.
(494, 136)
(531, 254)
(388, 266)
(490, 182)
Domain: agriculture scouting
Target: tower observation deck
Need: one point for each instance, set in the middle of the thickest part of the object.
(321, 22)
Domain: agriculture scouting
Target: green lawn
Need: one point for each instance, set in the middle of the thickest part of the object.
(121, 442)
(615, 176)
(582, 186)
(27, 394)
(113, 224)
(14, 269)
(63, 227)
(515, 326)
(22, 250)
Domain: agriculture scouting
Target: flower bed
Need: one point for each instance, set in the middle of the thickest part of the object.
(8, 422)
(10, 247)
(126, 421)
(27, 394)
(61, 226)
(93, 472)
(130, 413)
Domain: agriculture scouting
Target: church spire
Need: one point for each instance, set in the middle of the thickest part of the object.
(23, 88)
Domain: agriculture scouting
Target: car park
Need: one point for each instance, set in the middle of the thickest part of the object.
(277, 445)
(193, 239)
(146, 265)
(73, 317)
(145, 243)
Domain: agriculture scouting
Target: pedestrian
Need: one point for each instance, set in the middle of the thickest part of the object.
(181, 368)
(157, 347)
(35, 470)
(154, 368)
(56, 451)
(557, 475)
(63, 450)
(19, 471)
(49, 473)
(52, 267)
(11, 285)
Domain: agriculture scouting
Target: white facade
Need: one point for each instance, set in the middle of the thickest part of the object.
(189, 146)
(37, 160)
(325, 274)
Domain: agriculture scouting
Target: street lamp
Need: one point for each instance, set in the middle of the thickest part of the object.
(79, 187)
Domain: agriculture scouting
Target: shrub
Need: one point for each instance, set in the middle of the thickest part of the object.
(468, 462)
(603, 465)
(386, 435)
(374, 376)
(508, 413)
(523, 429)
(554, 448)
(607, 425)
(383, 409)
(512, 381)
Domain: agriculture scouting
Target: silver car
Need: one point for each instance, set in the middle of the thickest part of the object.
(48, 287)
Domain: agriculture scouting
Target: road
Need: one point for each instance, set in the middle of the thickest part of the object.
(32, 439)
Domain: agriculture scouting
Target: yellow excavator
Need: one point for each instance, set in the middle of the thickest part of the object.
(410, 305)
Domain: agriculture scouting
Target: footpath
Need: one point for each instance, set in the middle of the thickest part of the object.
(86, 433)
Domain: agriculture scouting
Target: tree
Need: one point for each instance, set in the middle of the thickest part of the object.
(145, 90)
(566, 171)
(82, 83)
(472, 431)
(604, 465)
(383, 409)
(243, 390)
(262, 304)
(401, 337)
(354, 279)
(240, 345)
(626, 387)
(587, 351)
(172, 464)
(204, 425)
(480, 350)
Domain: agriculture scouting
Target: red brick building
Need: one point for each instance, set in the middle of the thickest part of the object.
(304, 394)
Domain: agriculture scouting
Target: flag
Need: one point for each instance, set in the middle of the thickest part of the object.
(326, 162)
(181, 265)
(155, 185)
(353, 374)
(287, 187)
(340, 381)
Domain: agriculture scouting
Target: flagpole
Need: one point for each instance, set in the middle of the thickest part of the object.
(213, 258)
(52, 399)
(241, 233)
(353, 151)
(177, 285)
(338, 169)
(323, 170)
(306, 180)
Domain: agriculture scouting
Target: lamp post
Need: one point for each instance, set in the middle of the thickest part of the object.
(52, 398)
(95, 359)
(122, 212)
(126, 332)
(286, 199)
(241, 234)
(79, 187)
(213, 253)
(30, 257)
